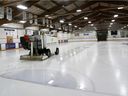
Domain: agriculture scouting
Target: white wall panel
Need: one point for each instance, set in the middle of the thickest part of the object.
(2, 33)
(20, 32)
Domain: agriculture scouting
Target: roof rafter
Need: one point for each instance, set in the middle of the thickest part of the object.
(84, 6)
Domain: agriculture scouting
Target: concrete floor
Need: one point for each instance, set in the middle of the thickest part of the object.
(81, 69)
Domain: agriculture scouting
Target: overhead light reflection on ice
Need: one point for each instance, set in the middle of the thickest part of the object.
(61, 58)
(51, 81)
(117, 74)
(63, 69)
(123, 90)
(74, 53)
(72, 80)
(71, 54)
(82, 86)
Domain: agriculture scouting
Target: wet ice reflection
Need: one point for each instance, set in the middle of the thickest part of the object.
(52, 78)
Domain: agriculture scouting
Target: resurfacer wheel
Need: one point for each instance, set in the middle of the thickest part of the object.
(57, 51)
(48, 53)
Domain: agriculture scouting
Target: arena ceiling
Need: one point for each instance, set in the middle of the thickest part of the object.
(77, 12)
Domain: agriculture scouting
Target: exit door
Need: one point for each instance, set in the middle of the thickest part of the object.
(102, 35)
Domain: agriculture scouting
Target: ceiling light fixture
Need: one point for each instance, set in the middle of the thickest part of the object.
(22, 21)
(70, 24)
(113, 20)
(92, 24)
(59, 28)
(75, 26)
(79, 10)
(89, 22)
(124, 26)
(115, 16)
(49, 17)
(5, 25)
(61, 21)
(85, 18)
(120, 8)
(111, 23)
(46, 15)
(22, 7)
(63, 5)
(51, 81)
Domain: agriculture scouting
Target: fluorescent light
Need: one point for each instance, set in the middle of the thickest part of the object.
(5, 25)
(51, 26)
(61, 21)
(120, 8)
(111, 23)
(22, 21)
(70, 24)
(113, 20)
(79, 10)
(124, 26)
(59, 28)
(22, 7)
(85, 18)
(49, 17)
(46, 15)
(92, 24)
(115, 16)
(51, 81)
(89, 22)
(75, 26)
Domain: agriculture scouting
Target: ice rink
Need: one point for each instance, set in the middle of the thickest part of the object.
(81, 69)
